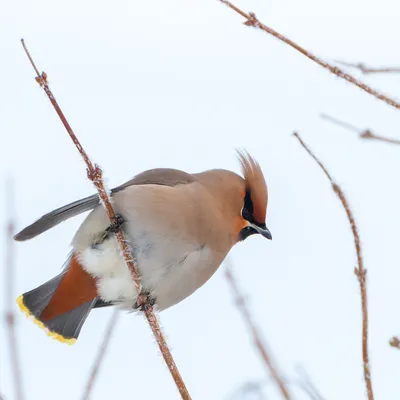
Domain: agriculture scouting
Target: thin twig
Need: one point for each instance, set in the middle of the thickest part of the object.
(307, 385)
(100, 354)
(9, 292)
(249, 389)
(395, 342)
(301, 383)
(94, 173)
(362, 133)
(341, 123)
(360, 271)
(370, 70)
(259, 343)
(251, 20)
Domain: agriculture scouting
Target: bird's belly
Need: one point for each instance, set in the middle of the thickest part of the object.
(169, 283)
(170, 269)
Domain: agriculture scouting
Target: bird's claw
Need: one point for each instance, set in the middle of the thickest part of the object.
(144, 301)
(116, 224)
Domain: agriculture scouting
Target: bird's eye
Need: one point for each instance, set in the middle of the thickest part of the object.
(248, 203)
(248, 208)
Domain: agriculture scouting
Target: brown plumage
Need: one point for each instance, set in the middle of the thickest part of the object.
(255, 184)
(77, 287)
(180, 227)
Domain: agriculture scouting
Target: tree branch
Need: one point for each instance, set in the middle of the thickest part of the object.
(94, 173)
(359, 271)
(100, 354)
(307, 384)
(370, 70)
(258, 342)
(395, 342)
(362, 133)
(303, 382)
(251, 20)
(10, 268)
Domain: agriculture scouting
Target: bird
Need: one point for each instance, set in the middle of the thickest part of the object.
(179, 228)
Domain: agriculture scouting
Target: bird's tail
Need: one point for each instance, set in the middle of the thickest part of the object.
(61, 305)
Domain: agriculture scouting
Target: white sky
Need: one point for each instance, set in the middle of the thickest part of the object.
(181, 84)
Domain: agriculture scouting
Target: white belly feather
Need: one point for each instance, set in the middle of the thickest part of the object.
(168, 272)
(172, 261)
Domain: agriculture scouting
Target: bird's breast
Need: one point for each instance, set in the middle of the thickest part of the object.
(172, 268)
(175, 243)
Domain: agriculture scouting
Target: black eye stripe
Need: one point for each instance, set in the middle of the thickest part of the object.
(248, 208)
(248, 203)
(246, 214)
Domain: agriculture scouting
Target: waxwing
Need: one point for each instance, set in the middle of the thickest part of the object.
(179, 226)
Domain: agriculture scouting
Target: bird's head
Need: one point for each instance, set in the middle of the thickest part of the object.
(254, 199)
(242, 200)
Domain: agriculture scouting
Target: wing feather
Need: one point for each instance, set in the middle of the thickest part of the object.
(159, 176)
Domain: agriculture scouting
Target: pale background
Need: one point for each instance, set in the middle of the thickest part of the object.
(181, 83)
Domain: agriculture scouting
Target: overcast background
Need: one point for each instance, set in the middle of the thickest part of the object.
(180, 84)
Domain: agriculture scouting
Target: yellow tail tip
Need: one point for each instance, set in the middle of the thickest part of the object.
(40, 324)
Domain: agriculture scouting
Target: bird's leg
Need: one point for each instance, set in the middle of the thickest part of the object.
(116, 224)
(114, 227)
(144, 301)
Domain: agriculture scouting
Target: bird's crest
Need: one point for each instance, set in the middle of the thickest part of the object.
(255, 184)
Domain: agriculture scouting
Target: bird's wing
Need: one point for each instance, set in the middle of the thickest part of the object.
(159, 176)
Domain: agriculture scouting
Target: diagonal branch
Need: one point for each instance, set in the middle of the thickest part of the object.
(256, 387)
(362, 133)
(359, 271)
(371, 70)
(250, 389)
(94, 173)
(259, 344)
(307, 384)
(100, 354)
(251, 20)
(9, 293)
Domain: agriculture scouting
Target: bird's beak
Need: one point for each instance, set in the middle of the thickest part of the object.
(262, 230)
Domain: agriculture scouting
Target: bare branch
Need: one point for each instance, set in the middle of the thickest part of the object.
(249, 389)
(9, 292)
(395, 342)
(359, 271)
(101, 353)
(94, 173)
(307, 385)
(367, 134)
(302, 382)
(251, 20)
(370, 70)
(259, 344)
(362, 133)
(343, 124)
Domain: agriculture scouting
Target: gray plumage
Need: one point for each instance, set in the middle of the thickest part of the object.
(53, 218)
(179, 228)
(158, 176)
(37, 299)
(69, 324)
